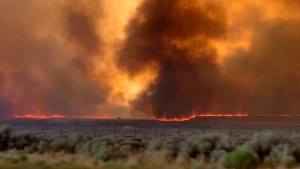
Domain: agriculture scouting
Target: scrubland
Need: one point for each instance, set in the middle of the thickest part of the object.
(210, 150)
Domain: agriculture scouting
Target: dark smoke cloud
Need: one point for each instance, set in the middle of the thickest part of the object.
(185, 82)
(262, 80)
(37, 64)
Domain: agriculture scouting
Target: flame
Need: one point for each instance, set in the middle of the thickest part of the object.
(223, 115)
(30, 116)
(178, 119)
(57, 116)
(202, 115)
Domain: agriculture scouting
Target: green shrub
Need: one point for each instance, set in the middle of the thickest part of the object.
(22, 157)
(240, 159)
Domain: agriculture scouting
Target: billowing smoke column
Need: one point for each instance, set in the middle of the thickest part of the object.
(174, 36)
(149, 58)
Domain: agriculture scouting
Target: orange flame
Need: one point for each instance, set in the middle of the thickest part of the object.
(57, 116)
(30, 116)
(223, 115)
(178, 119)
(201, 115)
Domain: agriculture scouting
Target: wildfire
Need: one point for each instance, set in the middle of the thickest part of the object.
(164, 119)
(223, 115)
(57, 116)
(178, 119)
(201, 115)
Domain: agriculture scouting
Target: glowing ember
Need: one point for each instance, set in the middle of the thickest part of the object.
(56, 116)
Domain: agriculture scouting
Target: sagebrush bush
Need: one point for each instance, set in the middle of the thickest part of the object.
(240, 159)
(5, 137)
(99, 148)
(71, 144)
(205, 145)
(282, 154)
(155, 145)
(43, 147)
(24, 141)
(270, 148)
(170, 146)
(262, 143)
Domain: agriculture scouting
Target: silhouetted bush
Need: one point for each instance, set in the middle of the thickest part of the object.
(24, 141)
(5, 137)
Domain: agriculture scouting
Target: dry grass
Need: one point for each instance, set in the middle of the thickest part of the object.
(157, 160)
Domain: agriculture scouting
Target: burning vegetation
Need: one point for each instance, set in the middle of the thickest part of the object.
(160, 59)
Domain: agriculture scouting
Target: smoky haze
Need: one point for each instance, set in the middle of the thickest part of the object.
(38, 73)
(149, 58)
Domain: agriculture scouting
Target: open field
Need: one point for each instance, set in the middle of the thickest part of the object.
(199, 143)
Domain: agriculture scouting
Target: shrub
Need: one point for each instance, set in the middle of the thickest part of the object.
(22, 157)
(43, 147)
(99, 148)
(155, 145)
(193, 147)
(5, 137)
(240, 159)
(262, 144)
(282, 154)
(24, 141)
(72, 144)
(170, 146)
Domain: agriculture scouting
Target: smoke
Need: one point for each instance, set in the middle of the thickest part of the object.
(46, 56)
(187, 74)
(265, 79)
(149, 58)
(259, 75)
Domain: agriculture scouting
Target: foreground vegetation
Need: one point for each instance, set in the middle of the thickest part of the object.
(263, 150)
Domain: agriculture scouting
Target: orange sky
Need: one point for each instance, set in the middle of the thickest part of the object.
(61, 57)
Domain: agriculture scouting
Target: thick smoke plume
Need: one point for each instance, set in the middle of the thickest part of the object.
(149, 58)
(176, 36)
(187, 74)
